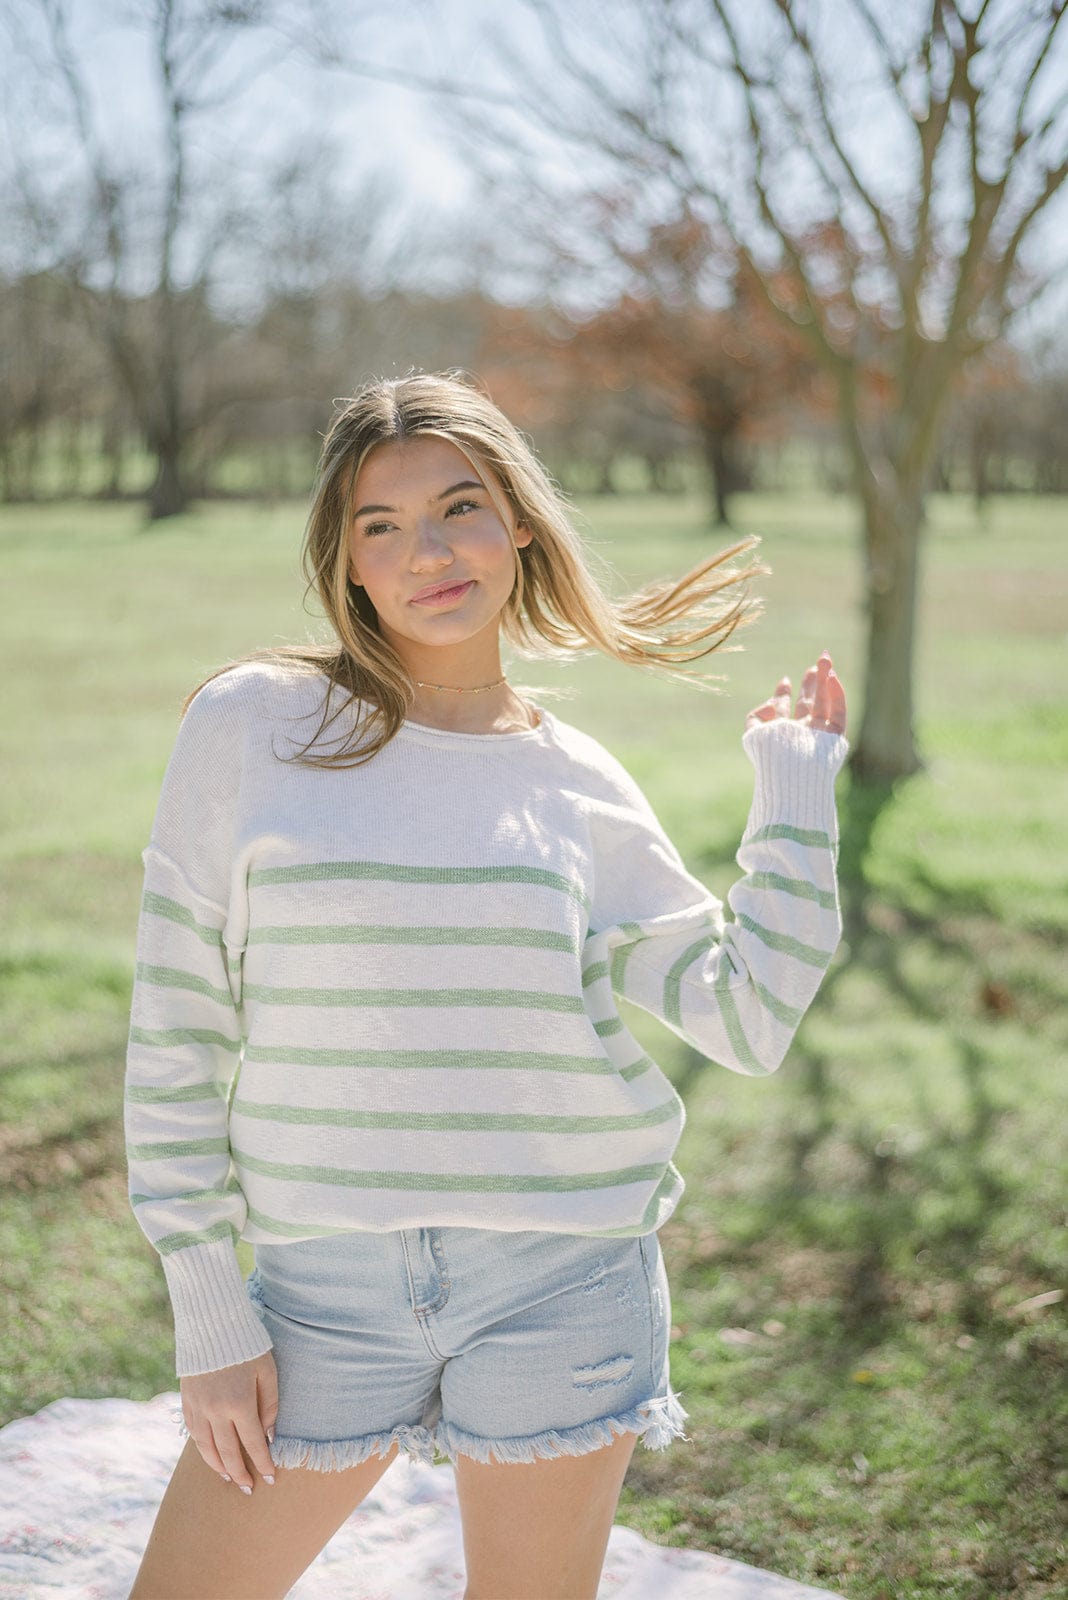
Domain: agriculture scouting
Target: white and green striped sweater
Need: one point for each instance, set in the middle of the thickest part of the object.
(384, 996)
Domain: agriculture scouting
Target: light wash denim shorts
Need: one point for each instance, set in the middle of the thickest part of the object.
(490, 1344)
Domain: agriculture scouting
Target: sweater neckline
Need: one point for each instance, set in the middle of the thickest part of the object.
(418, 730)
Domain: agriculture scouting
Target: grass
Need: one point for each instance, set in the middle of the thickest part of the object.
(862, 1264)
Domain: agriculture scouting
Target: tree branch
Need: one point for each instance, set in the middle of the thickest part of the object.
(882, 222)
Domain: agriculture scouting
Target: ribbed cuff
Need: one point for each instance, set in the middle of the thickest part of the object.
(215, 1324)
(795, 771)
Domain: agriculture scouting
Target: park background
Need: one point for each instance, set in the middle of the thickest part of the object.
(791, 271)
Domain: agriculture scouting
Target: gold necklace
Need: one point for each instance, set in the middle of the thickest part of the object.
(453, 690)
(537, 720)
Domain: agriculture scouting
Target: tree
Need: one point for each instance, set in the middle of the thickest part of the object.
(721, 367)
(896, 272)
(117, 224)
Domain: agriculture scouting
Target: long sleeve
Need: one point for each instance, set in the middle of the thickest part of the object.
(734, 990)
(185, 1041)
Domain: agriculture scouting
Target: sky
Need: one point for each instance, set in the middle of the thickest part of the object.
(375, 126)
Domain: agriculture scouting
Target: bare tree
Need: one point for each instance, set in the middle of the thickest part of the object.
(120, 229)
(889, 237)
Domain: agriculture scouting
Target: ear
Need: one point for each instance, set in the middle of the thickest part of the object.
(523, 535)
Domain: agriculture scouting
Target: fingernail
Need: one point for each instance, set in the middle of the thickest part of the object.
(270, 1434)
(268, 1477)
(245, 1489)
(227, 1478)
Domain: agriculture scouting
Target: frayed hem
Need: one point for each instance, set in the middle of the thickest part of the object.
(335, 1455)
(656, 1421)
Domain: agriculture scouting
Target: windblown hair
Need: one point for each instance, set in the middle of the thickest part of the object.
(557, 608)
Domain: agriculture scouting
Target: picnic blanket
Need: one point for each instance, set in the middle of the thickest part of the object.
(81, 1481)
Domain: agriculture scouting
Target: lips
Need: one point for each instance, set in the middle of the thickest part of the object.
(449, 592)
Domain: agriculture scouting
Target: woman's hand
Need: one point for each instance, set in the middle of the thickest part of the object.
(229, 1408)
(821, 703)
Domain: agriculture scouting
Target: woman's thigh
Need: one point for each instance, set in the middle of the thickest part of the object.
(540, 1530)
(212, 1541)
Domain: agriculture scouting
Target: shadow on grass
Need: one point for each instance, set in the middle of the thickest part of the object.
(882, 1202)
(889, 1193)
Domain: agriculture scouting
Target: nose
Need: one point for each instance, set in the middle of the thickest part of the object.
(430, 543)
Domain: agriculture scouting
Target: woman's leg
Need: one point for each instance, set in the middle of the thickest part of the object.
(539, 1530)
(212, 1541)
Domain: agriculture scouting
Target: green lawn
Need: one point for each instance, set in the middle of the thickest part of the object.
(873, 1402)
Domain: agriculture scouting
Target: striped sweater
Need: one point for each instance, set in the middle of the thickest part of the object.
(385, 996)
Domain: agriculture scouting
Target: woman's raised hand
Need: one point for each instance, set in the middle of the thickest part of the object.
(229, 1408)
(821, 703)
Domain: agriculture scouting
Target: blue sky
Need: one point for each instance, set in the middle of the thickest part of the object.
(375, 126)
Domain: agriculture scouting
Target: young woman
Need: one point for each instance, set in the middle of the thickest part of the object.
(386, 921)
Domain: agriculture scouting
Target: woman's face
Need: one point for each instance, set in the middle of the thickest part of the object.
(423, 518)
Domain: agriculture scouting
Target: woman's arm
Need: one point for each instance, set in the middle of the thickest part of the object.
(185, 1041)
(735, 990)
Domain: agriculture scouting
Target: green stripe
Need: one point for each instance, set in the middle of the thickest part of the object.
(165, 1038)
(175, 978)
(294, 1230)
(605, 1030)
(796, 886)
(613, 965)
(619, 956)
(786, 944)
(618, 967)
(789, 1016)
(167, 1149)
(195, 1196)
(636, 1068)
(143, 1094)
(162, 905)
(673, 979)
(184, 1241)
(432, 934)
(445, 1060)
(377, 1060)
(452, 1182)
(528, 999)
(396, 872)
(459, 1121)
(815, 838)
(732, 1022)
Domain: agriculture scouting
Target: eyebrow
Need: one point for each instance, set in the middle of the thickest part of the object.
(466, 483)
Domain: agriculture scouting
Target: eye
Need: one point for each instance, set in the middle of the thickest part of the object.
(472, 505)
(374, 527)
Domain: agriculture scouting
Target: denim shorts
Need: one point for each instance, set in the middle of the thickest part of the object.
(496, 1345)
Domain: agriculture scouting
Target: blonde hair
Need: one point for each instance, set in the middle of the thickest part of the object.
(557, 608)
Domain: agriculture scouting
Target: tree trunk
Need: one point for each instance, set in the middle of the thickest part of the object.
(885, 746)
(169, 496)
(718, 459)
